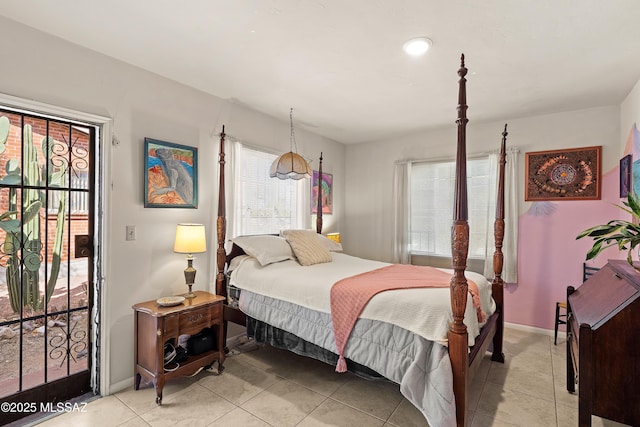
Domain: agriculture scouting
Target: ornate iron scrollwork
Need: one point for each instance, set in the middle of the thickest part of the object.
(63, 346)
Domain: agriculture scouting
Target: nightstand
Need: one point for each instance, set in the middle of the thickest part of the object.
(156, 325)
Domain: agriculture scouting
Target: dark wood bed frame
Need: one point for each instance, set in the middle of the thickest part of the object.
(464, 360)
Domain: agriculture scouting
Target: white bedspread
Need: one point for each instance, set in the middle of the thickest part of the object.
(426, 312)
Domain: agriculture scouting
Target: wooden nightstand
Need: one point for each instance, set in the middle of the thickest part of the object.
(156, 325)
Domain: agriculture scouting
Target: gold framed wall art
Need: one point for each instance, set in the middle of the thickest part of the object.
(570, 174)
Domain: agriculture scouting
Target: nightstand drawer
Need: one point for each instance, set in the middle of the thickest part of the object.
(193, 321)
(171, 325)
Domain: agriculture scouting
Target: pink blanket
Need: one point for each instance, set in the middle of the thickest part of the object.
(349, 296)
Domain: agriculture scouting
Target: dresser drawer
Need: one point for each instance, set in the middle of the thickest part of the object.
(193, 321)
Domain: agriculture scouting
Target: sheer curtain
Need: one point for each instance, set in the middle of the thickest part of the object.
(231, 148)
(402, 223)
(268, 190)
(510, 243)
(401, 217)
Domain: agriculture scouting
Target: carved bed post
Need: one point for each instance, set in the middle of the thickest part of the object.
(497, 286)
(458, 336)
(221, 223)
(221, 228)
(319, 208)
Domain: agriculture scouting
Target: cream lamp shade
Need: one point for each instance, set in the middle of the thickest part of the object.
(290, 165)
(190, 239)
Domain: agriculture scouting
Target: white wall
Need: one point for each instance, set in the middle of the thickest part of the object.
(630, 116)
(141, 104)
(369, 176)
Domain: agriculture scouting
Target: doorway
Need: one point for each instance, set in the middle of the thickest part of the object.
(47, 199)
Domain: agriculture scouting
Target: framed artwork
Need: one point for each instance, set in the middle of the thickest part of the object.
(170, 175)
(625, 175)
(325, 188)
(571, 174)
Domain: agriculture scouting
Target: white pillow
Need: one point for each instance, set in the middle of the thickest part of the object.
(331, 245)
(265, 248)
(307, 247)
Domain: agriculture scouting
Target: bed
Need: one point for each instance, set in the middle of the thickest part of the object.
(432, 353)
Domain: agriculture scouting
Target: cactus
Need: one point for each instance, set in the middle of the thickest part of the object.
(23, 244)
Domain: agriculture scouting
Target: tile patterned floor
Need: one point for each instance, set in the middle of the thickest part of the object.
(270, 387)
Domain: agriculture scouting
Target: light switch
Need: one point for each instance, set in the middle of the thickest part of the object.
(131, 232)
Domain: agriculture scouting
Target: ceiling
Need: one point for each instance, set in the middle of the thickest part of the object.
(340, 64)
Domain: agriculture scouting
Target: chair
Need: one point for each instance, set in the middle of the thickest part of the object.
(561, 319)
(588, 271)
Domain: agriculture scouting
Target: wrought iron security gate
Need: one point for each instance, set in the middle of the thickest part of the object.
(46, 261)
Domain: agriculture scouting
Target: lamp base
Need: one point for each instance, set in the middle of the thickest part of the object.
(189, 294)
(190, 276)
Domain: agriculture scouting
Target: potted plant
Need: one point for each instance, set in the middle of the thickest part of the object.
(623, 234)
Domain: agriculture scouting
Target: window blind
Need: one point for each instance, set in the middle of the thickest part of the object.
(431, 207)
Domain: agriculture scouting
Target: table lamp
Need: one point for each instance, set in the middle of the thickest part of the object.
(334, 236)
(190, 239)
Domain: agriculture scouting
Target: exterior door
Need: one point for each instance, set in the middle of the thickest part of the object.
(46, 262)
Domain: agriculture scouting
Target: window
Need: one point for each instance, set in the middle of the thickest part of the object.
(266, 205)
(432, 199)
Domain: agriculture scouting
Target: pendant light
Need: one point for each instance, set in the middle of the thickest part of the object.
(291, 165)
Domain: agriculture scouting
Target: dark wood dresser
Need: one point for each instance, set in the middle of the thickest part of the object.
(603, 344)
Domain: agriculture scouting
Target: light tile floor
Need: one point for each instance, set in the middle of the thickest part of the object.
(270, 387)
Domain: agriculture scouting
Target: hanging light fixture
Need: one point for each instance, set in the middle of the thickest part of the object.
(291, 165)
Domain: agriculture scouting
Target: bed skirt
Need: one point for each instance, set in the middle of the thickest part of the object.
(266, 334)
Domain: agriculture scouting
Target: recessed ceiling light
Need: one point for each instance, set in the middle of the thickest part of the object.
(417, 46)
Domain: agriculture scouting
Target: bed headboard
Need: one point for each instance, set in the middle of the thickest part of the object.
(221, 224)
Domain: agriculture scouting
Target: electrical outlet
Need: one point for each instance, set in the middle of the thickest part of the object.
(131, 232)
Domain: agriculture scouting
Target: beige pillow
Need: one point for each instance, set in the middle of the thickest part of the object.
(307, 247)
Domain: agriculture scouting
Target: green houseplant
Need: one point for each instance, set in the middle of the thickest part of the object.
(623, 234)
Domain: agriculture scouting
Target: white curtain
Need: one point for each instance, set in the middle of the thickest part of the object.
(401, 203)
(231, 148)
(510, 243)
(234, 150)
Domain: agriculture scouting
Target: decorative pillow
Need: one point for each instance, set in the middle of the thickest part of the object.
(331, 245)
(307, 247)
(265, 248)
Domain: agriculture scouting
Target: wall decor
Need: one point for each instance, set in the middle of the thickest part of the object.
(570, 174)
(170, 175)
(625, 175)
(326, 184)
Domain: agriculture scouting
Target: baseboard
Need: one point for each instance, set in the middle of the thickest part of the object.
(121, 385)
(527, 328)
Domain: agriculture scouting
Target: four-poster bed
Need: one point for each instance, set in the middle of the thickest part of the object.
(465, 350)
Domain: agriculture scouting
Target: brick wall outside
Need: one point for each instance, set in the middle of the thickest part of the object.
(64, 135)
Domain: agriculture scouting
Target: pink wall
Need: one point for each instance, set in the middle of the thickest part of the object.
(549, 256)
